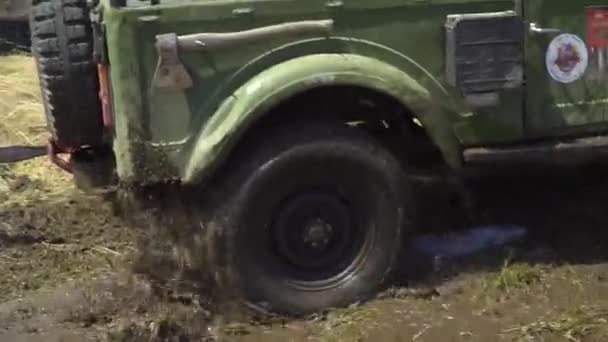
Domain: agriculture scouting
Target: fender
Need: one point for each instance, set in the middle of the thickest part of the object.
(280, 82)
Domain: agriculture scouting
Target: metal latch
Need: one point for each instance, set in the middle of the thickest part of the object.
(170, 72)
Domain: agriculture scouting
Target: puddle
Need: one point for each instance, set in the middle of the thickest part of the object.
(461, 244)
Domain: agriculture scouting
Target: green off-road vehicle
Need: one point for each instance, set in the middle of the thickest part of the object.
(301, 121)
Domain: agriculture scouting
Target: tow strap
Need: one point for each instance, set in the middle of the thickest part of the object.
(17, 153)
(13, 154)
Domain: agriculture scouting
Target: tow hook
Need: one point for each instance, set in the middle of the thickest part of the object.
(53, 150)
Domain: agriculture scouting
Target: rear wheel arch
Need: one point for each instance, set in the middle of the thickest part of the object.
(254, 103)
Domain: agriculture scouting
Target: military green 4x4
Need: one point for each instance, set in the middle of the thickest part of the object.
(302, 119)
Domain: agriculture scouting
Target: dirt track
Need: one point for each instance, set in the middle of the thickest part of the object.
(66, 262)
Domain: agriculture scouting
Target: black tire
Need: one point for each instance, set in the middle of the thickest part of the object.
(349, 180)
(62, 44)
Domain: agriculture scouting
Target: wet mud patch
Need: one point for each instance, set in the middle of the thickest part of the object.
(67, 257)
(550, 285)
(47, 238)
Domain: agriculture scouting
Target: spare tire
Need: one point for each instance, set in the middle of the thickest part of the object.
(62, 44)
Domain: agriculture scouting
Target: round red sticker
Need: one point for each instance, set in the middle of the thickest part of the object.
(567, 58)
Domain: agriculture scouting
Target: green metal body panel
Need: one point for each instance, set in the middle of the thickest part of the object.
(297, 75)
(553, 108)
(393, 46)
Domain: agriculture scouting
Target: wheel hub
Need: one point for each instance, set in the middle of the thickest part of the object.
(314, 232)
(317, 234)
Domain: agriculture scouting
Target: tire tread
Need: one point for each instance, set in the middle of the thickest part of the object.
(63, 47)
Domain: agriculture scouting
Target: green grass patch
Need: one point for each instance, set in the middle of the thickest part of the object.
(512, 276)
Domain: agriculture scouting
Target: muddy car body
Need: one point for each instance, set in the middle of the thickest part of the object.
(14, 30)
(309, 115)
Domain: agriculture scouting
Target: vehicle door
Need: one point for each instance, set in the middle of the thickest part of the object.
(566, 67)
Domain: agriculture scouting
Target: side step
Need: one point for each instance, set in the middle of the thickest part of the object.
(572, 151)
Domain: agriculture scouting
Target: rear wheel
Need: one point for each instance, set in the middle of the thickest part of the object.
(62, 44)
(317, 219)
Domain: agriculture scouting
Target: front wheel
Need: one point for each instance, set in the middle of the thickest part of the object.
(318, 217)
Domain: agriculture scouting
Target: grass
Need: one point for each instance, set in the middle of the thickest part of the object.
(22, 122)
(512, 276)
(582, 324)
(20, 106)
(348, 324)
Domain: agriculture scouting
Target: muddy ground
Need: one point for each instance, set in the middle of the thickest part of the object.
(71, 267)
